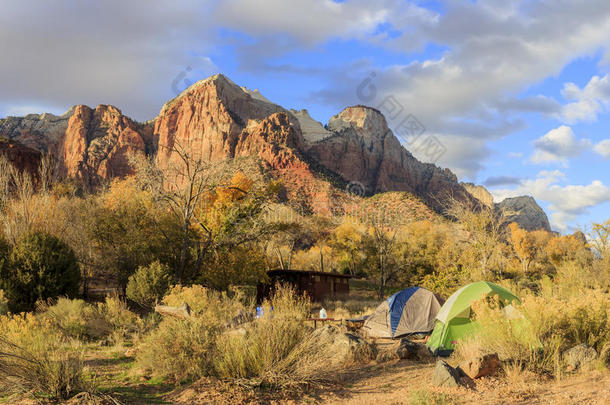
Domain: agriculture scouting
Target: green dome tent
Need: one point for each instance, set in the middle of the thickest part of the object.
(453, 321)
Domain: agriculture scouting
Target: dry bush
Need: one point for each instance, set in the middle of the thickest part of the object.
(183, 349)
(541, 330)
(36, 358)
(75, 318)
(351, 307)
(120, 321)
(179, 349)
(81, 320)
(277, 350)
(46, 369)
(205, 303)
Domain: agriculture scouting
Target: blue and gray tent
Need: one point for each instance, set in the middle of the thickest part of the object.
(408, 311)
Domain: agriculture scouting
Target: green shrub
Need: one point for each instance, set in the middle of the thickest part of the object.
(149, 284)
(40, 267)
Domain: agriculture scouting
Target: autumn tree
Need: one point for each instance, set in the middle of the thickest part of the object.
(125, 228)
(347, 240)
(523, 245)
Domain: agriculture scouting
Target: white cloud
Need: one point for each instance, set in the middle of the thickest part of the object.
(558, 145)
(603, 148)
(587, 102)
(566, 202)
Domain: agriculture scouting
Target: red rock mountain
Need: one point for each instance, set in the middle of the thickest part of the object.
(91, 144)
(216, 120)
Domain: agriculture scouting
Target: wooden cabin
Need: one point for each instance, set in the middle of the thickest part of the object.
(317, 285)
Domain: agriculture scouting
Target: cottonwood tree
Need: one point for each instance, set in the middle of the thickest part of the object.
(181, 186)
(216, 216)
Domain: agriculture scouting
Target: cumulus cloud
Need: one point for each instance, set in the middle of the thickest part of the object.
(468, 87)
(558, 145)
(587, 102)
(603, 148)
(566, 202)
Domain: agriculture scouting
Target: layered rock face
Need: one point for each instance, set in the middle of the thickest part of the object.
(525, 212)
(97, 143)
(207, 119)
(362, 148)
(216, 120)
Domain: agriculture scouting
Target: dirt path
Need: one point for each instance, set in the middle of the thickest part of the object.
(399, 383)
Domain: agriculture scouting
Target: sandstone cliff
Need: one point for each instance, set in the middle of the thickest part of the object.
(216, 120)
(362, 148)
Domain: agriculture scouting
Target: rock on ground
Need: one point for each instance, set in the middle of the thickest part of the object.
(447, 376)
(481, 366)
(579, 357)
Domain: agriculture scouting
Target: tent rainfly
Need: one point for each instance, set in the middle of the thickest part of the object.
(408, 311)
(453, 321)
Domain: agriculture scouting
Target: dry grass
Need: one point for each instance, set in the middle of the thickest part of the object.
(429, 397)
(352, 307)
(544, 327)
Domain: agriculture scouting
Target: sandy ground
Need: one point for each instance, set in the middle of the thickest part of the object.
(394, 383)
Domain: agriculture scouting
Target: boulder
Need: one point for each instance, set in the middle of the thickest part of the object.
(579, 357)
(346, 345)
(446, 376)
(481, 366)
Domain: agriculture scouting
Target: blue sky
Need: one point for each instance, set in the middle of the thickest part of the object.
(516, 91)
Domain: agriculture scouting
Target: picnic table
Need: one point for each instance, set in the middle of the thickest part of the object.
(322, 320)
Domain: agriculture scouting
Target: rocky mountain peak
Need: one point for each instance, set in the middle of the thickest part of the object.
(526, 212)
(367, 122)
